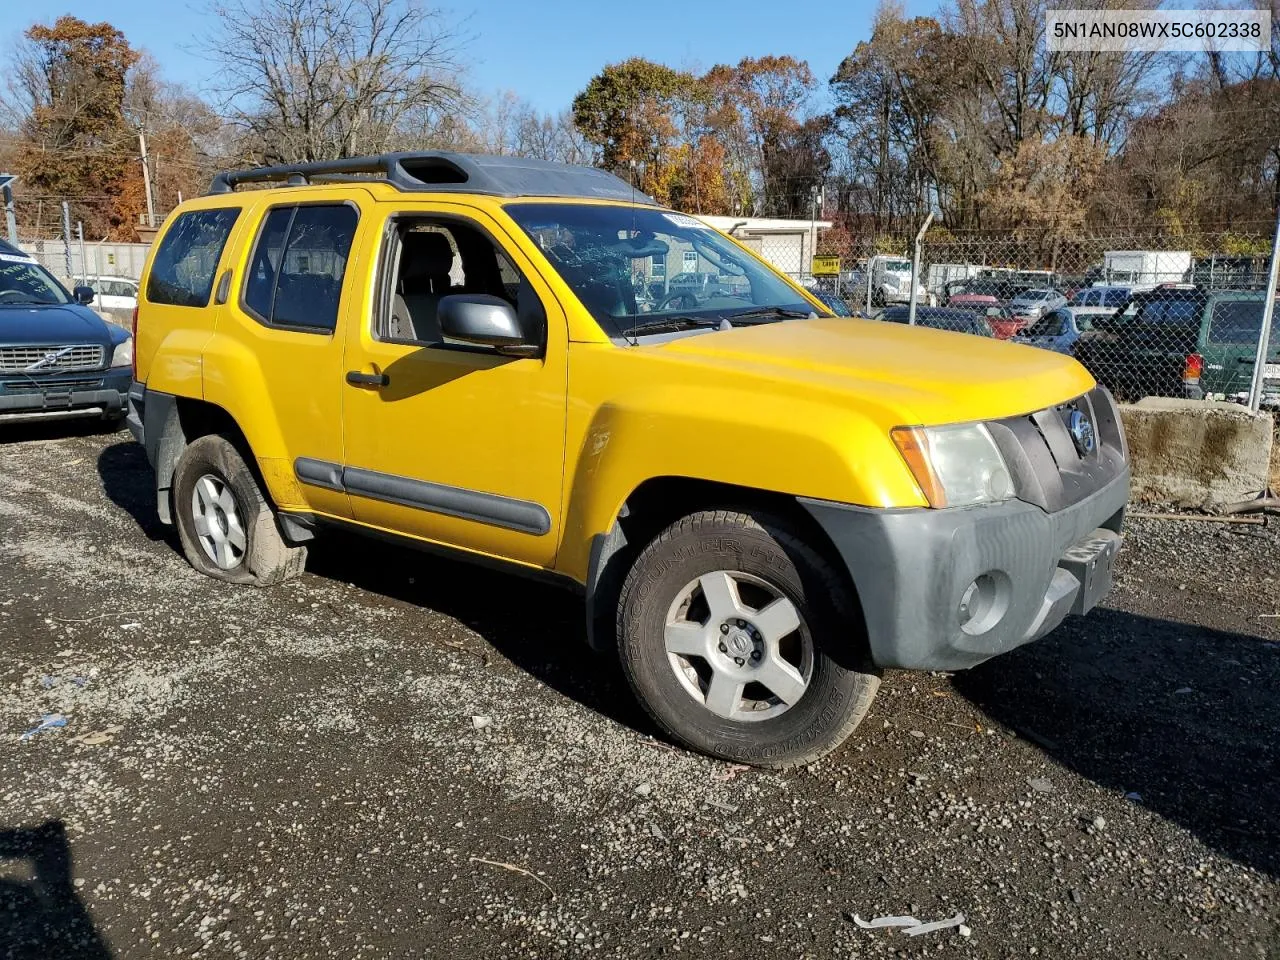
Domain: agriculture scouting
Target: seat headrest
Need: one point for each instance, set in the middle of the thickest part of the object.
(425, 255)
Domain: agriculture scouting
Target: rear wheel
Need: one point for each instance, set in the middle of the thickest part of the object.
(227, 527)
(741, 642)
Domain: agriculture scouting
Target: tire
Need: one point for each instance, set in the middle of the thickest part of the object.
(674, 597)
(236, 539)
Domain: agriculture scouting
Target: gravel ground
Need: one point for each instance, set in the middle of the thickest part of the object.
(385, 759)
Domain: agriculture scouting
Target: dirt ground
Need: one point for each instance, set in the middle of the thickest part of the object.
(395, 756)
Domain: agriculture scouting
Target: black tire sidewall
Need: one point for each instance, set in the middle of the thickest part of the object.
(214, 454)
(835, 688)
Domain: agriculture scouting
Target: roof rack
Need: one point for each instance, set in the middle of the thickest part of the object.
(439, 171)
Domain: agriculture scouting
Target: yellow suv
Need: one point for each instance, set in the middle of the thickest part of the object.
(763, 505)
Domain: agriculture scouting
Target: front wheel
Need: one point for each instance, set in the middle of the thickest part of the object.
(741, 642)
(227, 527)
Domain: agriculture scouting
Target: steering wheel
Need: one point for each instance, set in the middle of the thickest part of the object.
(17, 294)
(687, 301)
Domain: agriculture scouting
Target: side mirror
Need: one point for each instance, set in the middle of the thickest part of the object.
(84, 295)
(485, 321)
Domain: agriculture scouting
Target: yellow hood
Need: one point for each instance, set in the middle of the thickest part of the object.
(925, 376)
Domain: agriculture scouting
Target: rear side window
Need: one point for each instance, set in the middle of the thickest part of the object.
(1236, 322)
(187, 258)
(1115, 298)
(1171, 310)
(298, 264)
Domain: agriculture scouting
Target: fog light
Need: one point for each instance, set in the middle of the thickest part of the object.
(984, 602)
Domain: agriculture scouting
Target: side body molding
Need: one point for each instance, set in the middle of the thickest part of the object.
(490, 508)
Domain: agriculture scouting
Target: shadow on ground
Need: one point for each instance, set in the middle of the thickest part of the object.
(129, 483)
(1182, 715)
(537, 626)
(41, 916)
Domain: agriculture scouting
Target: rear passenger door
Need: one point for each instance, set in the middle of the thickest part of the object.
(277, 363)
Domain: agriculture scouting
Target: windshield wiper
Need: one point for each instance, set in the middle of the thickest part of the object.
(763, 313)
(669, 324)
(7, 300)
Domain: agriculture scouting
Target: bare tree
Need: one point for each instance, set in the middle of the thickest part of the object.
(320, 79)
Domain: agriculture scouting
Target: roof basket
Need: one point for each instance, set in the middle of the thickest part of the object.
(438, 171)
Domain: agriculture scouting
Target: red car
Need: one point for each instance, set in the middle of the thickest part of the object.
(1003, 324)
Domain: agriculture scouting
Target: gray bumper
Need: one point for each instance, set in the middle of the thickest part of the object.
(913, 570)
(101, 395)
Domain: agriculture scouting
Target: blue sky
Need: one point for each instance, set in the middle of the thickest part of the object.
(545, 51)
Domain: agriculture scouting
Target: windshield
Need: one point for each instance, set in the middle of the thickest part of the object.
(635, 267)
(23, 281)
(897, 266)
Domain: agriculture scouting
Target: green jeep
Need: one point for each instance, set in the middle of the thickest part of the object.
(1180, 341)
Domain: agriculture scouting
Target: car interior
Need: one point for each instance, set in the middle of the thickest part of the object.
(432, 260)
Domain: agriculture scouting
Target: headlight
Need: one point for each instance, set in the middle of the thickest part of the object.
(955, 466)
(123, 353)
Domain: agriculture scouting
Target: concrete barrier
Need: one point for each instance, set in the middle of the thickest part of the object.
(1275, 461)
(1197, 454)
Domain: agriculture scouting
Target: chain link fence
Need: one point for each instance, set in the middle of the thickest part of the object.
(1147, 316)
(87, 259)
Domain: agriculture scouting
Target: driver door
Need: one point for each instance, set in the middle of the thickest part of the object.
(456, 444)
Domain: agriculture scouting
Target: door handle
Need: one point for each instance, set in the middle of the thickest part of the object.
(358, 379)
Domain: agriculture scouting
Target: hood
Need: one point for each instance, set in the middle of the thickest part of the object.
(52, 325)
(914, 374)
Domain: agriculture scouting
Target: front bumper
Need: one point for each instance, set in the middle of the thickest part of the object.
(914, 570)
(65, 396)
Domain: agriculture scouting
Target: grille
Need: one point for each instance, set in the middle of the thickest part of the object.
(89, 356)
(49, 386)
(1049, 468)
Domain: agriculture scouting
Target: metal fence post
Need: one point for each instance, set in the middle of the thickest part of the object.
(915, 269)
(11, 221)
(1268, 316)
(66, 236)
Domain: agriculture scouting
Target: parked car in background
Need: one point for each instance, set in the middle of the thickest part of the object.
(1033, 304)
(835, 304)
(1179, 341)
(1058, 330)
(1100, 301)
(114, 295)
(58, 359)
(942, 318)
(971, 300)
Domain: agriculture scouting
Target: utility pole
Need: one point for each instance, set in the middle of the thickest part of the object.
(146, 176)
(84, 263)
(6, 183)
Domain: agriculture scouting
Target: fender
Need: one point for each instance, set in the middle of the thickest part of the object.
(722, 435)
(236, 382)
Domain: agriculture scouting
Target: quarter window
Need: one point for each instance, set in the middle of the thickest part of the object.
(184, 265)
(298, 265)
